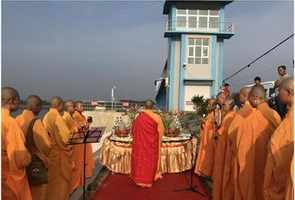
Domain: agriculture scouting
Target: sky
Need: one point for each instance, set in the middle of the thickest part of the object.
(79, 50)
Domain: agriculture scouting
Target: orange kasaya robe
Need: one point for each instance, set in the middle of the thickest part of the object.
(14, 159)
(60, 165)
(205, 159)
(280, 154)
(253, 136)
(228, 180)
(290, 185)
(42, 148)
(77, 154)
(220, 150)
(147, 130)
(90, 164)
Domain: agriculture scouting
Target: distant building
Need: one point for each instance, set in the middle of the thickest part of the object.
(196, 31)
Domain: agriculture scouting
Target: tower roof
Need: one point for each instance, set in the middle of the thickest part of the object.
(168, 3)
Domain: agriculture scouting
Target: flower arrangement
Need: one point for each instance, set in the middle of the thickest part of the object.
(120, 128)
(172, 124)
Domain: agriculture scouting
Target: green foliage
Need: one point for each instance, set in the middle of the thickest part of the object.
(167, 118)
(201, 105)
(190, 122)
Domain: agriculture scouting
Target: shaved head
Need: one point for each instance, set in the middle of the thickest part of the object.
(79, 106)
(8, 94)
(211, 103)
(57, 103)
(257, 95)
(69, 102)
(258, 91)
(245, 90)
(10, 98)
(229, 104)
(244, 94)
(70, 106)
(34, 104)
(220, 98)
(286, 91)
(230, 101)
(77, 103)
(288, 84)
(149, 104)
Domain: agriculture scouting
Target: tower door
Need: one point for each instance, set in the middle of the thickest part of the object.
(194, 90)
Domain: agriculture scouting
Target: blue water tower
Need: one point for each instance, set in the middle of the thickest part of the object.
(196, 31)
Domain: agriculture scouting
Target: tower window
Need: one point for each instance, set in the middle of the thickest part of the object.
(197, 19)
(198, 51)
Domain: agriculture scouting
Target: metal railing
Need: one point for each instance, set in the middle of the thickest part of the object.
(109, 105)
(186, 26)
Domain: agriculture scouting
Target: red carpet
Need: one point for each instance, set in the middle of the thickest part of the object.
(118, 187)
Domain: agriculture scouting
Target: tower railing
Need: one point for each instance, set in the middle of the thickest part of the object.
(186, 26)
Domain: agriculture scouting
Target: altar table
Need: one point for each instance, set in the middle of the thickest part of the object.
(176, 154)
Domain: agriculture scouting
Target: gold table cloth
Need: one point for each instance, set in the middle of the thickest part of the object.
(175, 156)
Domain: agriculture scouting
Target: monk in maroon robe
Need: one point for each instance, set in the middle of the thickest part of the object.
(147, 132)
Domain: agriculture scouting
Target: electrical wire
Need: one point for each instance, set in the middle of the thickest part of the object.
(258, 58)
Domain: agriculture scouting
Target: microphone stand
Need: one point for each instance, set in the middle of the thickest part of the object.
(191, 187)
(87, 138)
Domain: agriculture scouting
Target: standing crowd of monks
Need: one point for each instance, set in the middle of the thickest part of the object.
(248, 152)
(50, 135)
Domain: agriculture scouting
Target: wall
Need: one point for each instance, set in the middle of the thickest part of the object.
(173, 67)
(194, 90)
(198, 71)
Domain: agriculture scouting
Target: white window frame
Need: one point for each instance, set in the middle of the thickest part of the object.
(202, 46)
(197, 15)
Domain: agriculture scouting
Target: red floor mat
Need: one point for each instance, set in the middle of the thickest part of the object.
(118, 187)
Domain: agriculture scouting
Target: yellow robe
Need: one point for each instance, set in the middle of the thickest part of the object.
(253, 136)
(290, 185)
(77, 154)
(43, 146)
(81, 120)
(14, 157)
(205, 159)
(161, 130)
(220, 155)
(280, 154)
(229, 169)
(60, 166)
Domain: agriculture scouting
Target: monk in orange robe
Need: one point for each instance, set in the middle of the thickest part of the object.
(206, 153)
(204, 164)
(228, 172)
(228, 110)
(60, 167)
(252, 139)
(14, 155)
(77, 156)
(82, 121)
(42, 143)
(281, 150)
(290, 185)
(147, 130)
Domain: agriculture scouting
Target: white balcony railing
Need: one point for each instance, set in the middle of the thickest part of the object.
(185, 26)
